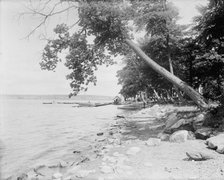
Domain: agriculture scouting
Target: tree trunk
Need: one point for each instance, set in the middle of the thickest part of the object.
(171, 68)
(175, 87)
(194, 95)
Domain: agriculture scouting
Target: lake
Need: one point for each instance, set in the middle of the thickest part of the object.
(33, 133)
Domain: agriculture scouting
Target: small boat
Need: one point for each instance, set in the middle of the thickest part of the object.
(89, 104)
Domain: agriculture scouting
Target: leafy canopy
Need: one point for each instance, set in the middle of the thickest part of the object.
(106, 22)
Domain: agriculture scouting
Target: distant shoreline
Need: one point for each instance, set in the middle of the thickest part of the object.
(56, 97)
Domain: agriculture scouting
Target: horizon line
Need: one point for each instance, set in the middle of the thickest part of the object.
(51, 95)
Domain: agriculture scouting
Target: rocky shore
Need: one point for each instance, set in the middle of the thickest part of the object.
(161, 142)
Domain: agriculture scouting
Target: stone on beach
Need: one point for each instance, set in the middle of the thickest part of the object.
(57, 176)
(133, 150)
(99, 134)
(163, 136)
(179, 136)
(62, 164)
(83, 173)
(76, 152)
(32, 175)
(199, 156)
(153, 142)
(171, 120)
(198, 121)
(106, 169)
(23, 176)
(117, 154)
(203, 133)
(217, 143)
(45, 171)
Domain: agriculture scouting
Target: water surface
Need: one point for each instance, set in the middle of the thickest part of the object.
(34, 133)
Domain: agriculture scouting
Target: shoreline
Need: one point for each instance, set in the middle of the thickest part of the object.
(129, 148)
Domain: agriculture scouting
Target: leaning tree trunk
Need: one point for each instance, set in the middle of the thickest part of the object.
(171, 67)
(175, 87)
(194, 95)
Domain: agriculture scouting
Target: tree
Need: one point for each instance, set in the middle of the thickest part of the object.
(107, 22)
(130, 77)
(209, 49)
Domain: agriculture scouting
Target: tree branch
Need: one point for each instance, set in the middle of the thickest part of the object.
(45, 16)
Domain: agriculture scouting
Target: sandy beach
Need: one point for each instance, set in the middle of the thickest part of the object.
(130, 148)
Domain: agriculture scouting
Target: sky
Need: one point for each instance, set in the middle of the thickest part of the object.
(20, 71)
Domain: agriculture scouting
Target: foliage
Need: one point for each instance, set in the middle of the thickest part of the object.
(105, 22)
(162, 42)
(198, 60)
(208, 49)
(82, 58)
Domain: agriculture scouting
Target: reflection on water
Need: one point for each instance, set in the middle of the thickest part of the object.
(33, 133)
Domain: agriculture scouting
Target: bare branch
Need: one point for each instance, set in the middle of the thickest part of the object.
(66, 9)
(52, 12)
(70, 27)
(45, 4)
(34, 12)
(37, 27)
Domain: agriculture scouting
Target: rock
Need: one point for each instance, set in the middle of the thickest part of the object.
(163, 136)
(179, 136)
(203, 133)
(101, 139)
(180, 124)
(32, 175)
(200, 117)
(63, 164)
(199, 156)
(106, 169)
(191, 135)
(117, 141)
(22, 177)
(99, 134)
(83, 173)
(171, 119)
(76, 152)
(198, 121)
(217, 143)
(110, 141)
(57, 176)
(116, 154)
(153, 142)
(133, 150)
(183, 124)
(156, 106)
(105, 151)
(46, 171)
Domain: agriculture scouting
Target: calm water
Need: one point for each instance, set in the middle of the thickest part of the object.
(34, 133)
